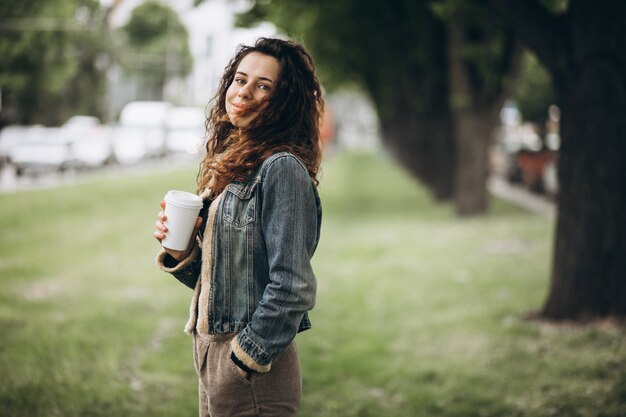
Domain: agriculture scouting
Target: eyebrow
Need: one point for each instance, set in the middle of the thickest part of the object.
(261, 78)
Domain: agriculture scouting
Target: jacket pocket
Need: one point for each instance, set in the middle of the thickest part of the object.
(240, 203)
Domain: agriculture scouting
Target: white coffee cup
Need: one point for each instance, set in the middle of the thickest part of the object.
(181, 211)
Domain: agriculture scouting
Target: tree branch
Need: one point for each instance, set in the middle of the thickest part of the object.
(539, 30)
(460, 86)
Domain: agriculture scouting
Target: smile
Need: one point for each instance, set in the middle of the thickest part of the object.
(239, 108)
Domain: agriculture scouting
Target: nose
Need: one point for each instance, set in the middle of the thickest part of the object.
(244, 91)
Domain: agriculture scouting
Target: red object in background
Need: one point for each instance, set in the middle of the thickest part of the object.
(327, 126)
(532, 166)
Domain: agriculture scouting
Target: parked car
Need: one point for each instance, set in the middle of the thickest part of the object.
(185, 130)
(44, 149)
(91, 142)
(10, 137)
(141, 131)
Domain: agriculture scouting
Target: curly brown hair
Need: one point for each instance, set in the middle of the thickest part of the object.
(288, 121)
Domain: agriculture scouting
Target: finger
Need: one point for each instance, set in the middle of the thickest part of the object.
(162, 216)
(160, 226)
(159, 236)
(163, 204)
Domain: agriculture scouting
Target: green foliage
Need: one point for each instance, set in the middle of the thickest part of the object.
(418, 314)
(488, 48)
(534, 92)
(394, 51)
(370, 43)
(49, 68)
(555, 6)
(154, 45)
(485, 53)
(401, 54)
(343, 36)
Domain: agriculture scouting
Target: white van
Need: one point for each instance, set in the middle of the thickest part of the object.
(141, 131)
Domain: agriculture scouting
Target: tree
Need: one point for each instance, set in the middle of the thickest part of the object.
(483, 60)
(438, 74)
(534, 92)
(583, 47)
(50, 52)
(396, 53)
(154, 47)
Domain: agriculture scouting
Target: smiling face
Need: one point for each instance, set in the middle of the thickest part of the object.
(256, 77)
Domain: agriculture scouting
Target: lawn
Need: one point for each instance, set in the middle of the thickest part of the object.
(418, 313)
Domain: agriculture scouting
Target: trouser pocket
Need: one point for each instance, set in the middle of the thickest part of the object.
(228, 393)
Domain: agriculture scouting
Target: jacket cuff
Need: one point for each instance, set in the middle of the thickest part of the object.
(240, 364)
(168, 264)
(245, 358)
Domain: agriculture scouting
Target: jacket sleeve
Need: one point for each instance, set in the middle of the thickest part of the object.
(186, 271)
(290, 230)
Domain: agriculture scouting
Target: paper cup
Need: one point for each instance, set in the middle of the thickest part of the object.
(181, 209)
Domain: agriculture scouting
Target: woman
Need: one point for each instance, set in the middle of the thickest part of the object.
(249, 263)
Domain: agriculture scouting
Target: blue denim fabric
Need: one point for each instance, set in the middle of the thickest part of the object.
(262, 284)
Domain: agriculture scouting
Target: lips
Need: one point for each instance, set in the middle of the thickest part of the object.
(239, 108)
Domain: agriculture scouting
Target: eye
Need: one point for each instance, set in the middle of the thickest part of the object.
(240, 81)
(265, 87)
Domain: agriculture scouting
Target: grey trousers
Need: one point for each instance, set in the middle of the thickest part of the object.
(223, 392)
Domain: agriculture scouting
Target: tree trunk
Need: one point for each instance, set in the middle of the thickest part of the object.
(424, 146)
(585, 52)
(474, 114)
(472, 133)
(589, 272)
(410, 90)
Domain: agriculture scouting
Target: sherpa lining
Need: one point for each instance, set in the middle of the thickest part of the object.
(160, 259)
(199, 307)
(247, 359)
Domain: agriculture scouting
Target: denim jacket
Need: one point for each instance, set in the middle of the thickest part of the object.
(267, 228)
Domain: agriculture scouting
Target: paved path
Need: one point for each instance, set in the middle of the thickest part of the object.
(521, 197)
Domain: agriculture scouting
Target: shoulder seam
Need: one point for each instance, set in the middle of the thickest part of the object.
(269, 161)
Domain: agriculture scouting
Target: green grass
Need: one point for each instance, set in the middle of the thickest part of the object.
(418, 313)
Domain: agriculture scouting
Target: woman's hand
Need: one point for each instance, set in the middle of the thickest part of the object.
(161, 231)
(242, 373)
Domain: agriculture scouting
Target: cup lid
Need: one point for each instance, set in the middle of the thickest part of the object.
(183, 199)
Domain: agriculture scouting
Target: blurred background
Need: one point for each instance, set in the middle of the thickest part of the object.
(471, 260)
(94, 84)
